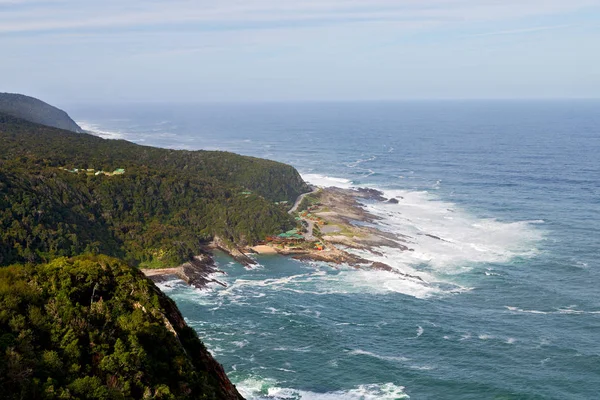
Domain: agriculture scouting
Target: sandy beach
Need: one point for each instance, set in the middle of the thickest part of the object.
(263, 249)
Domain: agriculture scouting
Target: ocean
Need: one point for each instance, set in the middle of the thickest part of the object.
(509, 305)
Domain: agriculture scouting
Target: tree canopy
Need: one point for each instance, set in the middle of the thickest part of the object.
(92, 327)
(159, 212)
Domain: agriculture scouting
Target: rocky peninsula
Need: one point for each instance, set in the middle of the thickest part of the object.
(336, 221)
(332, 221)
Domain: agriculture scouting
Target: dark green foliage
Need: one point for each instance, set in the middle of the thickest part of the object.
(44, 146)
(92, 327)
(159, 213)
(34, 110)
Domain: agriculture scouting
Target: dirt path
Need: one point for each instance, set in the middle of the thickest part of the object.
(308, 236)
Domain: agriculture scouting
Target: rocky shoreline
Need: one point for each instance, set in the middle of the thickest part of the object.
(345, 224)
(196, 272)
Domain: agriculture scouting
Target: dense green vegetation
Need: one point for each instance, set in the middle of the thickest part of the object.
(76, 323)
(34, 110)
(92, 327)
(160, 212)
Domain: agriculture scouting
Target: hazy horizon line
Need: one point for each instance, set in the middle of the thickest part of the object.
(316, 101)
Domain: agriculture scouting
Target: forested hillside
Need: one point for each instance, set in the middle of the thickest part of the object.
(34, 110)
(158, 213)
(95, 328)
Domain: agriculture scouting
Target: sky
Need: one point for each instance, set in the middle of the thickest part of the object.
(117, 51)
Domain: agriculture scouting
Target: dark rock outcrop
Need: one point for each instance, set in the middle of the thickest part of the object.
(196, 272)
(370, 194)
(233, 251)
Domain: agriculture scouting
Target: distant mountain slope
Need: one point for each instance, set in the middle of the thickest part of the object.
(34, 110)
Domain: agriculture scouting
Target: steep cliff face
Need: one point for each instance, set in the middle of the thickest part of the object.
(94, 328)
(34, 110)
(201, 357)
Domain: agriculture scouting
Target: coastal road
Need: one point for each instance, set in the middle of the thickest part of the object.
(308, 236)
(299, 200)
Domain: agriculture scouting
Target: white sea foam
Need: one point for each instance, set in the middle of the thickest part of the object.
(273, 310)
(566, 310)
(256, 388)
(570, 311)
(190, 294)
(215, 350)
(284, 283)
(133, 133)
(368, 173)
(359, 352)
(327, 181)
(305, 349)
(168, 286)
(377, 282)
(447, 238)
(410, 281)
(346, 281)
(360, 161)
(422, 367)
(97, 131)
(420, 331)
(286, 370)
(444, 240)
(241, 343)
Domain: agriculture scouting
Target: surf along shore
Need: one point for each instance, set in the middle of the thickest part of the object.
(333, 222)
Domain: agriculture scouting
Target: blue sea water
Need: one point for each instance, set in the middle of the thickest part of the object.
(509, 305)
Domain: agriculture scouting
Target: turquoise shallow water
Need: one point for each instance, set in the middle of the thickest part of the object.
(509, 307)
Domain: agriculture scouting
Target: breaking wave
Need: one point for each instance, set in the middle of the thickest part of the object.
(256, 388)
(97, 131)
(566, 310)
(443, 238)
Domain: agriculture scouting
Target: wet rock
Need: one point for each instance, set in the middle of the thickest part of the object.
(235, 253)
(435, 237)
(371, 194)
(381, 266)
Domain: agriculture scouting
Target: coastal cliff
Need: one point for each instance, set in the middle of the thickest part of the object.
(160, 206)
(34, 110)
(93, 327)
(78, 215)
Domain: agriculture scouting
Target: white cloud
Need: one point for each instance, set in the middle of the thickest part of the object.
(76, 15)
